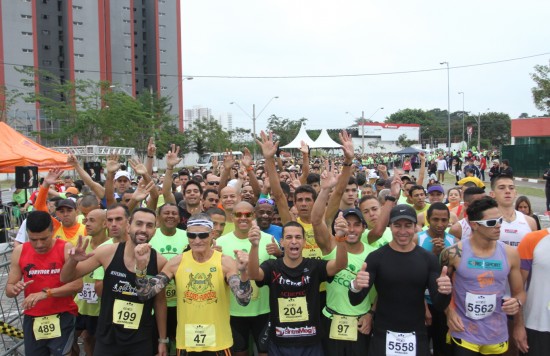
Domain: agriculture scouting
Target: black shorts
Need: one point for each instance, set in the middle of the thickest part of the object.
(309, 350)
(244, 326)
(143, 347)
(226, 352)
(58, 346)
(171, 322)
(86, 322)
(539, 342)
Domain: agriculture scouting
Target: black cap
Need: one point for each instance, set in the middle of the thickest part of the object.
(67, 203)
(380, 181)
(355, 212)
(402, 211)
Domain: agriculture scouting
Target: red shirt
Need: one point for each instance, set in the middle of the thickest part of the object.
(45, 269)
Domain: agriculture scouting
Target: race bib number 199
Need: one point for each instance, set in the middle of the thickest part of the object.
(400, 344)
(127, 314)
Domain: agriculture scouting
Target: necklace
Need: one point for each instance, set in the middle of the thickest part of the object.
(509, 218)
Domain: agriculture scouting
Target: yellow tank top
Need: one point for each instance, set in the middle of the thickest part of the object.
(60, 234)
(203, 305)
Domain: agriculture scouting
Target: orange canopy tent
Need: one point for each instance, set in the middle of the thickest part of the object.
(19, 150)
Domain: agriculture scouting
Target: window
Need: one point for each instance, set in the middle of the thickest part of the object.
(78, 39)
(47, 62)
(80, 55)
(162, 26)
(162, 51)
(162, 13)
(162, 38)
(78, 23)
(77, 7)
(78, 71)
(127, 59)
(45, 32)
(126, 21)
(46, 47)
(26, 33)
(163, 62)
(28, 84)
(23, 16)
(44, 17)
(27, 50)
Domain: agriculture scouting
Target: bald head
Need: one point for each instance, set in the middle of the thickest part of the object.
(244, 204)
(228, 198)
(95, 222)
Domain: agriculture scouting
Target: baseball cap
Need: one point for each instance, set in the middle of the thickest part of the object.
(380, 181)
(436, 188)
(406, 176)
(71, 190)
(120, 174)
(402, 211)
(355, 212)
(65, 203)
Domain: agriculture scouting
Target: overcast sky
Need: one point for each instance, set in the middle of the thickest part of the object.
(259, 38)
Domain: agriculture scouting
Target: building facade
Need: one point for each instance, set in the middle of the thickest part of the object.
(133, 44)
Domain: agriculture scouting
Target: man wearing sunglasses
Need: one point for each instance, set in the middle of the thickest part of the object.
(204, 278)
(252, 319)
(212, 181)
(482, 266)
(264, 210)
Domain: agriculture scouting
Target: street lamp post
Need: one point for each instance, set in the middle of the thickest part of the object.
(463, 113)
(254, 117)
(363, 126)
(448, 106)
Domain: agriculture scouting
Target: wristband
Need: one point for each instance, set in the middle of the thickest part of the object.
(390, 198)
(352, 287)
(48, 292)
(150, 156)
(347, 164)
(164, 341)
(519, 302)
(249, 169)
(371, 312)
(141, 272)
(341, 238)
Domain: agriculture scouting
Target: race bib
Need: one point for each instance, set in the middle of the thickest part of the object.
(127, 314)
(343, 328)
(400, 344)
(199, 335)
(171, 292)
(46, 327)
(480, 306)
(88, 293)
(292, 310)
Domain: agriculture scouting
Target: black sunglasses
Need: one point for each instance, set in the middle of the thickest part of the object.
(214, 183)
(200, 235)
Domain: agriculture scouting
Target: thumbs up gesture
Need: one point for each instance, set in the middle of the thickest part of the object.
(216, 247)
(273, 248)
(362, 279)
(341, 225)
(254, 234)
(444, 285)
(242, 260)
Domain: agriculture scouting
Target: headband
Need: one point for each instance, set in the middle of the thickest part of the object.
(199, 222)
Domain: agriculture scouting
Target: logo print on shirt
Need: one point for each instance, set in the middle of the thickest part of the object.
(200, 289)
(486, 279)
(169, 249)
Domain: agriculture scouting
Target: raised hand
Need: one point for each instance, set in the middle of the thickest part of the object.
(269, 148)
(71, 159)
(444, 285)
(138, 167)
(341, 225)
(143, 190)
(396, 185)
(362, 278)
(328, 178)
(242, 260)
(142, 253)
(172, 157)
(273, 248)
(347, 144)
(78, 253)
(254, 234)
(53, 176)
(247, 158)
(228, 159)
(20, 286)
(304, 148)
(151, 148)
(113, 163)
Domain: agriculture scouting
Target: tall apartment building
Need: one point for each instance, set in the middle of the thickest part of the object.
(134, 44)
(195, 114)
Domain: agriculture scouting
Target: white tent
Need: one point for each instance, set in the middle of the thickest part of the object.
(302, 136)
(325, 141)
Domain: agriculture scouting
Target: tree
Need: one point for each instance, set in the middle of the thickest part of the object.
(541, 92)
(524, 115)
(207, 135)
(285, 129)
(403, 141)
(7, 99)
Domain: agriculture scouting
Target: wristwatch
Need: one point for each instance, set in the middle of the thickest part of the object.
(164, 341)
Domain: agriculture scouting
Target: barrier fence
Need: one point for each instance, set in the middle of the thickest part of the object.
(11, 322)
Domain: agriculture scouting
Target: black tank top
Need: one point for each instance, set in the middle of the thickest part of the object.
(120, 284)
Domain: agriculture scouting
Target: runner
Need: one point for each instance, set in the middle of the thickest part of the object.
(482, 265)
(461, 230)
(294, 290)
(126, 324)
(204, 279)
(49, 309)
(401, 271)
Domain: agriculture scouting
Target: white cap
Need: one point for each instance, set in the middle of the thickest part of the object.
(122, 174)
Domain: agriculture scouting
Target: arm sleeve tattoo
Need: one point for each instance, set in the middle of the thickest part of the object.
(148, 287)
(242, 290)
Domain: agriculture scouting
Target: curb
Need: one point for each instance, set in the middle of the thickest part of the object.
(530, 180)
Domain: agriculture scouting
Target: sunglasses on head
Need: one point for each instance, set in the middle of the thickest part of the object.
(214, 183)
(266, 201)
(244, 214)
(489, 222)
(200, 235)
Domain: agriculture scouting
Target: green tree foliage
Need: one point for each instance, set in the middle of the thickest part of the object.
(7, 99)
(285, 129)
(403, 141)
(541, 92)
(92, 113)
(207, 135)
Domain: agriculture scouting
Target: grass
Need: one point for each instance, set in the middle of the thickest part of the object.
(530, 191)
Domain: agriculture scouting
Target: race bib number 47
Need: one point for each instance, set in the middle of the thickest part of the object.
(200, 335)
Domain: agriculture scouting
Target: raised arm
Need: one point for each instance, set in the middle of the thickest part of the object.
(151, 151)
(254, 270)
(113, 165)
(321, 232)
(228, 162)
(341, 260)
(95, 187)
(172, 160)
(422, 173)
(305, 162)
(143, 189)
(149, 287)
(240, 286)
(384, 217)
(268, 149)
(334, 201)
(79, 263)
(50, 179)
(247, 163)
(141, 170)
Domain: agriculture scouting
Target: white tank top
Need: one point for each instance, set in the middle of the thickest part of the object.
(466, 229)
(511, 233)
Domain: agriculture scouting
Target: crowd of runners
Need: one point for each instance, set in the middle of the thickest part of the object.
(271, 257)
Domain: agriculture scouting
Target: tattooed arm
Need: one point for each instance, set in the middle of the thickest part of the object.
(450, 257)
(240, 286)
(148, 287)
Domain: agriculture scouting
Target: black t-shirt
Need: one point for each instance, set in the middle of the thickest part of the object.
(401, 279)
(120, 284)
(294, 296)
